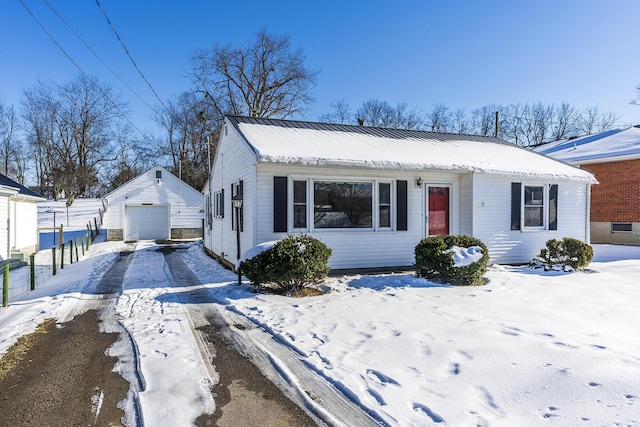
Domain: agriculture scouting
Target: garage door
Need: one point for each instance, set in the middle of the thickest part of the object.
(146, 222)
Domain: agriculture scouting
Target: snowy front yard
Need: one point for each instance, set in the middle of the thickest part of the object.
(528, 348)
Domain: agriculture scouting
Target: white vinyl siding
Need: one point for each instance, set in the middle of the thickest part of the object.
(479, 202)
(492, 218)
(353, 248)
(466, 204)
(146, 222)
(24, 225)
(4, 227)
(233, 162)
(185, 204)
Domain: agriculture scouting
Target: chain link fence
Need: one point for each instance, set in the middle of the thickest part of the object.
(20, 278)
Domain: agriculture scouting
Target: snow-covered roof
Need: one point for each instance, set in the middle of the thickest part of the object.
(311, 143)
(613, 145)
(5, 181)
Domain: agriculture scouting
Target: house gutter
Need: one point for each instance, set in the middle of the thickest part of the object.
(588, 216)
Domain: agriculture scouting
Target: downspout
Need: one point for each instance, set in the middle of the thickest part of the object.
(588, 216)
(9, 228)
(223, 226)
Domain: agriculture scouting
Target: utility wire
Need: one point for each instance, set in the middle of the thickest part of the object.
(98, 57)
(129, 55)
(106, 95)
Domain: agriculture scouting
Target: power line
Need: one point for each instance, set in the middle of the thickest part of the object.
(129, 55)
(106, 95)
(97, 56)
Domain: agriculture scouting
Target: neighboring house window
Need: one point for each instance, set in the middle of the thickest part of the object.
(342, 204)
(621, 227)
(384, 205)
(299, 204)
(218, 204)
(158, 174)
(534, 207)
(237, 189)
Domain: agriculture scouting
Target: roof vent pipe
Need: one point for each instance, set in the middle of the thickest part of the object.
(360, 121)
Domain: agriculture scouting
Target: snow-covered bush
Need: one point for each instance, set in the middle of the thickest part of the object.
(566, 254)
(289, 265)
(457, 260)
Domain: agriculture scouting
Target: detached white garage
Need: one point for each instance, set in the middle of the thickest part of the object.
(154, 206)
(146, 222)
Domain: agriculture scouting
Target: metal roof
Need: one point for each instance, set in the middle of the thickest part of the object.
(8, 182)
(327, 144)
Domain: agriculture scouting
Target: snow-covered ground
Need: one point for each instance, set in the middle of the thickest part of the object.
(529, 348)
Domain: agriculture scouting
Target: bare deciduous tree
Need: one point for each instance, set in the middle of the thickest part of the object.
(264, 79)
(439, 118)
(382, 114)
(341, 113)
(190, 124)
(565, 122)
(459, 121)
(10, 147)
(70, 127)
(592, 121)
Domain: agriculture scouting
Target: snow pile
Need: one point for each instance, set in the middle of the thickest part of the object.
(463, 257)
(254, 251)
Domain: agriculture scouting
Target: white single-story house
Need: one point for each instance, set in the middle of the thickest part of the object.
(371, 194)
(18, 219)
(154, 206)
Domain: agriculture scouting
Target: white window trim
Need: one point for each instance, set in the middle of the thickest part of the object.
(290, 204)
(217, 205)
(545, 207)
(375, 214)
(392, 205)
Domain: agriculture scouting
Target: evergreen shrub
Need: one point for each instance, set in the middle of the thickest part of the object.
(290, 265)
(434, 260)
(568, 254)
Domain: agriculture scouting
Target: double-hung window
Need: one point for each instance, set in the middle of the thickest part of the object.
(299, 204)
(384, 205)
(322, 204)
(342, 204)
(534, 203)
(534, 207)
(218, 204)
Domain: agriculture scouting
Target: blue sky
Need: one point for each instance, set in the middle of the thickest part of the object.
(464, 54)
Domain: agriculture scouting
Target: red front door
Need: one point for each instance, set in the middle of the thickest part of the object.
(438, 200)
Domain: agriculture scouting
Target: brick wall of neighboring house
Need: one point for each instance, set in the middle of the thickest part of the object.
(617, 196)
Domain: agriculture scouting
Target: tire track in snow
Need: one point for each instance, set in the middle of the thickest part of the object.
(277, 361)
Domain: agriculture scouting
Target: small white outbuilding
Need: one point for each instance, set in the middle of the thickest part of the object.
(156, 205)
(18, 219)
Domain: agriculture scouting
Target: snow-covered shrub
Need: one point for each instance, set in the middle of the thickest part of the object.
(289, 265)
(458, 260)
(566, 254)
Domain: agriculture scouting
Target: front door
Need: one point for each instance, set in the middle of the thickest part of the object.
(438, 209)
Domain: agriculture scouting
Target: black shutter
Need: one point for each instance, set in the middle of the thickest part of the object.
(233, 214)
(280, 204)
(222, 203)
(516, 196)
(553, 207)
(401, 210)
(241, 193)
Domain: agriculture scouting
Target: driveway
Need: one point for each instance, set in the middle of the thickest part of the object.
(68, 376)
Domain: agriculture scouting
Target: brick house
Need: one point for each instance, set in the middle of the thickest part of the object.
(614, 158)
